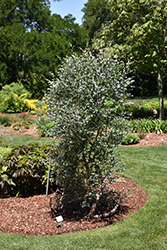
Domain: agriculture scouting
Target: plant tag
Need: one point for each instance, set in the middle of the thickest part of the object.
(59, 218)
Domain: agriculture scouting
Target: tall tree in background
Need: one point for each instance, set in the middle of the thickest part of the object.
(96, 13)
(33, 42)
(46, 50)
(17, 18)
(138, 31)
(30, 13)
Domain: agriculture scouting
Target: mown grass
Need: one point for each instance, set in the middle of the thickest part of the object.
(144, 230)
(23, 139)
(144, 99)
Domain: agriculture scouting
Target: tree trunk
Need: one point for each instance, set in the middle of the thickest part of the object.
(160, 91)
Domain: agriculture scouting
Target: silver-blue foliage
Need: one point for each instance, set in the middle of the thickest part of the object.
(89, 128)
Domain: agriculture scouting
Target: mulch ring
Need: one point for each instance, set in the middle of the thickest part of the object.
(32, 215)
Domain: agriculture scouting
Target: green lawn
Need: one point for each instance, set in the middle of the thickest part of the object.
(23, 139)
(144, 99)
(145, 230)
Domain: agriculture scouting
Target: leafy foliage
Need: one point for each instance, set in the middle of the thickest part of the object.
(33, 42)
(148, 126)
(90, 130)
(14, 99)
(136, 110)
(5, 120)
(139, 111)
(30, 14)
(96, 13)
(154, 105)
(5, 138)
(130, 139)
(24, 169)
(137, 32)
(44, 126)
(15, 87)
(164, 126)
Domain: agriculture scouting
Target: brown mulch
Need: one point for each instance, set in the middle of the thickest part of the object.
(151, 139)
(32, 215)
(32, 131)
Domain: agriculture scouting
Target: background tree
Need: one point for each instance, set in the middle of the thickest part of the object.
(90, 130)
(45, 51)
(33, 42)
(137, 30)
(96, 13)
(30, 14)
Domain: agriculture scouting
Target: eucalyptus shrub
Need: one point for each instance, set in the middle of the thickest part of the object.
(90, 130)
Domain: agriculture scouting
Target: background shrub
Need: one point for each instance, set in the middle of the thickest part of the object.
(14, 98)
(24, 170)
(154, 104)
(138, 111)
(130, 139)
(44, 126)
(22, 118)
(5, 120)
(148, 126)
(134, 110)
(15, 87)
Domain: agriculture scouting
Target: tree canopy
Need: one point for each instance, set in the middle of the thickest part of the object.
(33, 42)
(96, 13)
(137, 32)
(30, 14)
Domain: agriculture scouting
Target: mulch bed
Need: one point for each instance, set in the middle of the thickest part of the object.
(32, 215)
(151, 139)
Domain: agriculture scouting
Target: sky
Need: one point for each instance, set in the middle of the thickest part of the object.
(65, 7)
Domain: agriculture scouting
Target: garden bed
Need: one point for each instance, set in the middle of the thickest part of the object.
(151, 139)
(32, 215)
(31, 131)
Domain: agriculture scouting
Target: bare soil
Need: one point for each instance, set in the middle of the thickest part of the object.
(32, 215)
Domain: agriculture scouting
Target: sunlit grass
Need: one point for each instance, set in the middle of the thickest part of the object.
(144, 99)
(23, 139)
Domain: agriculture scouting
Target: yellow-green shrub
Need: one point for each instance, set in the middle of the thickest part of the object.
(14, 98)
(30, 104)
